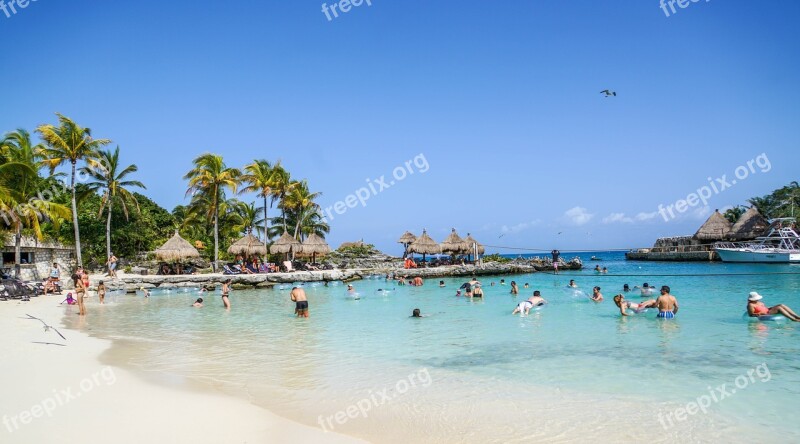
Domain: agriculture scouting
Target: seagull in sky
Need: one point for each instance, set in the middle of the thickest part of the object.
(609, 93)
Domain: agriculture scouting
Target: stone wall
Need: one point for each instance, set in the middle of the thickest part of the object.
(43, 261)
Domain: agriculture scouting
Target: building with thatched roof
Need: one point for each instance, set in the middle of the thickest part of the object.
(285, 245)
(424, 245)
(469, 240)
(248, 246)
(36, 257)
(750, 225)
(313, 246)
(716, 228)
(454, 244)
(176, 249)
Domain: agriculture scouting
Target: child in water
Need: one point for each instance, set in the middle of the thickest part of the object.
(101, 292)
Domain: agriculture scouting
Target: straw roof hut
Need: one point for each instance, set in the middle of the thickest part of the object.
(470, 241)
(286, 244)
(454, 244)
(248, 245)
(750, 225)
(424, 245)
(176, 248)
(315, 245)
(716, 228)
(407, 238)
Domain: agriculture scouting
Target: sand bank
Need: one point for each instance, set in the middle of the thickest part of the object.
(63, 393)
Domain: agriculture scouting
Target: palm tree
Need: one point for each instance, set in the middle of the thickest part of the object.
(311, 221)
(299, 201)
(209, 178)
(282, 186)
(262, 177)
(733, 214)
(109, 179)
(247, 218)
(22, 203)
(69, 142)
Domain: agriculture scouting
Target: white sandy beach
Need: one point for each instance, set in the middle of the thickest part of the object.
(63, 393)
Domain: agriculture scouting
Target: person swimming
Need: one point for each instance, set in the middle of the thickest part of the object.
(623, 305)
(534, 301)
(626, 288)
(198, 302)
(597, 269)
(514, 288)
(572, 284)
(605, 270)
(526, 285)
(417, 314)
(596, 295)
(458, 292)
(441, 284)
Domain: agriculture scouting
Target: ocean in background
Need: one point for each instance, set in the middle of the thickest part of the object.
(471, 372)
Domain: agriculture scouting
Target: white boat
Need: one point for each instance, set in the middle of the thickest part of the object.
(780, 246)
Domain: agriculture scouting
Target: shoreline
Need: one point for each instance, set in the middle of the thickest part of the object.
(65, 391)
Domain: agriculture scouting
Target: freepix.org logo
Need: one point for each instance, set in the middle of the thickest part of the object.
(11, 8)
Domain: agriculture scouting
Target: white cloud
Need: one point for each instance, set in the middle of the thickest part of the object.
(646, 216)
(617, 217)
(505, 229)
(578, 216)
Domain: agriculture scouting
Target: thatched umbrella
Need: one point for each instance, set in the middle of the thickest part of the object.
(424, 245)
(286, 244)
(471, 242)
(176, 248)
(716, 228)
(454, 244)
(247, 246)
(315, 245)
(406, 239)
(750, 225)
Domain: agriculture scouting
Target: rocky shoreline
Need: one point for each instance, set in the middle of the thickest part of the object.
(133, 282)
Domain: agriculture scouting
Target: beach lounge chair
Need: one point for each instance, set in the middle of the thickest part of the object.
(230, 270)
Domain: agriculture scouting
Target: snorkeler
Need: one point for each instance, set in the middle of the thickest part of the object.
(619, 301)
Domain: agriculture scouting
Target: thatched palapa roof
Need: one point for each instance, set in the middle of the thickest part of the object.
(315, 245)
(750, 225)
(469, 240)
(716, 228)
(287, 243)
(454, 244)
(176, 248)
(248, 245)
(407, 238)
(424, 245)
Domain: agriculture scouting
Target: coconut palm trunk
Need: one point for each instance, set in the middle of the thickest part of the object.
(76, 228)
(18, 251)
(216, 237)
(266, 221)
(108, 231)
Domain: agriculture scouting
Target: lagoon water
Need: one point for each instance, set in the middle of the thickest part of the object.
(574, 371)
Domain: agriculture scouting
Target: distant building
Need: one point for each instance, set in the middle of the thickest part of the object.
(37, 257)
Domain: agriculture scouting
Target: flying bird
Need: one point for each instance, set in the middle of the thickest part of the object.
(609, 93)
(47, 327)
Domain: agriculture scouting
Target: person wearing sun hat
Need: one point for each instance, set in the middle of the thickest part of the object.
(756, 308)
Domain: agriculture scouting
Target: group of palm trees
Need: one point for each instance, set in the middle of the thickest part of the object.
(33, 195)
(31, 192)
(210, 179)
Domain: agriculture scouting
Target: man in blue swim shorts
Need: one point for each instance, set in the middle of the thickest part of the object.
(667, 304)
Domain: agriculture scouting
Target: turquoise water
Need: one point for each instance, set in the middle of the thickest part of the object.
(570, 372)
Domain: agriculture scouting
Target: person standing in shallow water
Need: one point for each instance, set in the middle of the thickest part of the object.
(556, 255)
(80, 292)
(226, 289)
(298, 295)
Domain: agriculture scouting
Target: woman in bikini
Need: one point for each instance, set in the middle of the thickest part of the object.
(226, 289)
(619, 301)
(756, 308)
(80, 292)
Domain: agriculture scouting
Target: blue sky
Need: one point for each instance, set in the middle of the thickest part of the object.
(501, 99)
